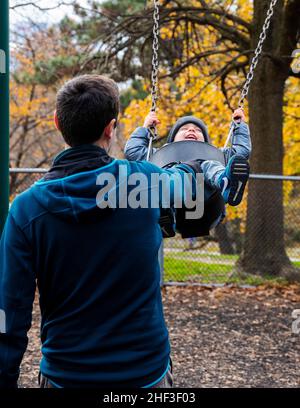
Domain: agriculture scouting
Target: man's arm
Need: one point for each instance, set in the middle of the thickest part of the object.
(17, 289)
(175, 184)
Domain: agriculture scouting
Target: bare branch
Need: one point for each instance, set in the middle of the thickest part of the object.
(41, 8)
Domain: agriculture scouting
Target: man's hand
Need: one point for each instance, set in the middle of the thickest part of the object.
(151, 119)
(239, 114)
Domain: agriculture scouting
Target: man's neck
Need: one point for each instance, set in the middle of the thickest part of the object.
(102, 142)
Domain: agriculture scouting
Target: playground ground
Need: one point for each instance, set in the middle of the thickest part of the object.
(220, 337)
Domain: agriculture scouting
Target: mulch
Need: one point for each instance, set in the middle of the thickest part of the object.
(220, 337)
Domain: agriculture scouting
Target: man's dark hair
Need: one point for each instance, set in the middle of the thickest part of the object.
(85, 105)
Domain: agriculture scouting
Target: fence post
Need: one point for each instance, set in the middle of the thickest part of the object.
(4, 111)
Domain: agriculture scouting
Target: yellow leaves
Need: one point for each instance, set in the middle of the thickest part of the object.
(135, 115)
(291, 130)
(188, 94)
(164, 33)
(29, 109)
(244, 9)
(22, 103)
(23, 61)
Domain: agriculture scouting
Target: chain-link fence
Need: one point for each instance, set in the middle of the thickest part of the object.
(212, 259)
(21, 179)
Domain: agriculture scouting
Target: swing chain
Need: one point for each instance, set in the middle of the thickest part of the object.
(155, 61)
(250, 74)
(154, 74)
(257, 52)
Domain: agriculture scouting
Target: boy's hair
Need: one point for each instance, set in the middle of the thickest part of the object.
(85, 105)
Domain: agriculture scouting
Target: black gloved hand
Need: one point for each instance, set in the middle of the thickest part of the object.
(194, 164)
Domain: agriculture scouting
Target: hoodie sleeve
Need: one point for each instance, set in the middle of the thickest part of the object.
(241, 142)
(17, 289)
(177, 185)
(136, 147)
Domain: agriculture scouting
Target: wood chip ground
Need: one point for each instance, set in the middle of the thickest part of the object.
(221, 337)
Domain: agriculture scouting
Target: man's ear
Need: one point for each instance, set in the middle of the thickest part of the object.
(108, 130)
(56, 120)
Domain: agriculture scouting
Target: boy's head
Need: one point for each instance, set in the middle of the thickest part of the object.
(87, 109)
(188, 128)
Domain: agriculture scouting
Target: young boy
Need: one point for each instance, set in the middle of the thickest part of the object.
(231, 180)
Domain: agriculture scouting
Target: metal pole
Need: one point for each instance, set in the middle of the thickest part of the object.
(274, 177)
(4, 111)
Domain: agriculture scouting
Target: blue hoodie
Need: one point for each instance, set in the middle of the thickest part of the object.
(98, 277)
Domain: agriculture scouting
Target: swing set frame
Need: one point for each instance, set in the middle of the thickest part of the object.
(4, 111)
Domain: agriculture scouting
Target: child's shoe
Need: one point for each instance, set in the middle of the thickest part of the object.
(233, 180)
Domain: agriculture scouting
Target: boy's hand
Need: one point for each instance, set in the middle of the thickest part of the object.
(151, 119)
(239, 114)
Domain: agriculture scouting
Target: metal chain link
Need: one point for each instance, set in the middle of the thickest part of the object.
(257, 52)
(250, 74)
(154, 73)
(155, 61)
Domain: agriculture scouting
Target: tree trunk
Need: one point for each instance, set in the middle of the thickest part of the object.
(225, 245)
(264, 252)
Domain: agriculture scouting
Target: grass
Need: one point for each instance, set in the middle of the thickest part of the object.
(192, 254)
(183, 270)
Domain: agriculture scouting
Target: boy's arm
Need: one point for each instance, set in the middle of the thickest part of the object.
(136, 147)
(241, 137)
(17, 289)
(241, 142)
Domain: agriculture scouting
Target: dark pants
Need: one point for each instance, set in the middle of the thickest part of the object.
(165, 382)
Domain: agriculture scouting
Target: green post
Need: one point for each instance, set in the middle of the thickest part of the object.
(4, 111)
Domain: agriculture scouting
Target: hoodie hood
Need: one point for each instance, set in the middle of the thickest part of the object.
(183, 121)
(69, 190)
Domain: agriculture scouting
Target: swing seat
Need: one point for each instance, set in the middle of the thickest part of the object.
(183, 151)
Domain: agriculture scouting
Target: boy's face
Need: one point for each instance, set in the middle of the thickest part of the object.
(189, 131)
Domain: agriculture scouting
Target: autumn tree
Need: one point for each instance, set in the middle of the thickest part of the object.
(33, 137)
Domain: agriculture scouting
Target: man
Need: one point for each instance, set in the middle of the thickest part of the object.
(95, 265)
